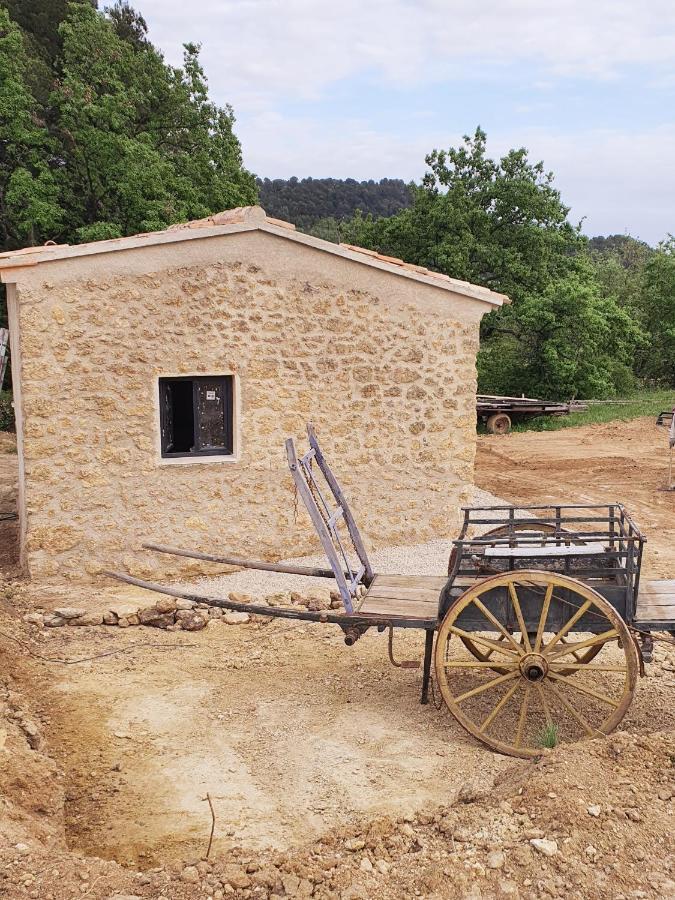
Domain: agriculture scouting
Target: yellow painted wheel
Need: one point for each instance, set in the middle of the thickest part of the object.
(537, 689)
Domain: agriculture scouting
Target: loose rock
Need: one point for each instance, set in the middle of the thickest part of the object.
(495, 859)
(191, 620)
(236, 618)
(87, 619)
(190, 875)
(69, 612)
(543, 845)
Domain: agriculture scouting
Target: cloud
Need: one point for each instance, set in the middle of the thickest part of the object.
(260, 51)
(617, 180)
(282, 63)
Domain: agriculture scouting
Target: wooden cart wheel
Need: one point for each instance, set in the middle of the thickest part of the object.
(505, 531)
(533, 701)
(499, 423)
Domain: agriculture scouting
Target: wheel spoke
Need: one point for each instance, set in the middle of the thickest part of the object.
(476, 664)
(543, 617)
(499, 707)
(589, 642)
(585, 606)
(519, 615)
(574, 652)
(486, 687)
(498, 625)
(583, 689)
(544, 703)
(574, 712)
(523, 715)
(587, 667)
(479, 639)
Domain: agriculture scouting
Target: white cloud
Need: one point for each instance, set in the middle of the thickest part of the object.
(618, 180)
(263, 56)
(257, 51)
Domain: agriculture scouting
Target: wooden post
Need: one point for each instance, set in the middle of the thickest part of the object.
(426, 671)
(4, 354)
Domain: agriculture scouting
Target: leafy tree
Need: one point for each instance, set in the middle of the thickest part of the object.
(29, 205)
(618, 262)
(143, 144)
(502, 223)
(129, 24)
(657, 311)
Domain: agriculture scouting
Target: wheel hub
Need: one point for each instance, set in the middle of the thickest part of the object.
(534, 667)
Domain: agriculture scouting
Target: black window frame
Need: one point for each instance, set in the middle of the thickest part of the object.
(227, 386)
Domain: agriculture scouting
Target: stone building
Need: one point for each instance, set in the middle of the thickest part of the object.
(157, 376)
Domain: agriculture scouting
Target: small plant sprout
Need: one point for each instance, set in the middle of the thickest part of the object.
(549, 736)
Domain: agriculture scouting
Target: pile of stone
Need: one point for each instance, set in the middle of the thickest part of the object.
(173, 614)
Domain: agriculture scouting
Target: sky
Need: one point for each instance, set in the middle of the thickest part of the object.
(366, 88)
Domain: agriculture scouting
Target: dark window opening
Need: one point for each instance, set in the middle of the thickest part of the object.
(182, 416)
(196, 415)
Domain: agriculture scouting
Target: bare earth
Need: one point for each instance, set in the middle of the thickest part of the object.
(327, 776)
(616, 461)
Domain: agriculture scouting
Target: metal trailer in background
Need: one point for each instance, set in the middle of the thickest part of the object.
(498, 413)
(538, 633)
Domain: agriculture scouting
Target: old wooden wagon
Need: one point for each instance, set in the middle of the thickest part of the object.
(538, 632)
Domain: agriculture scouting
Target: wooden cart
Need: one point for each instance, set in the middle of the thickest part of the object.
(498, 412)
(536, 634)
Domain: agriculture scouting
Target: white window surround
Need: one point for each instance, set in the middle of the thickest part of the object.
(216, 460)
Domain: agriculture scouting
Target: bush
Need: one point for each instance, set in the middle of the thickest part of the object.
(6, 412)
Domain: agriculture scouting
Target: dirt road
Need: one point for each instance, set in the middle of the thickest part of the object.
(617, 461)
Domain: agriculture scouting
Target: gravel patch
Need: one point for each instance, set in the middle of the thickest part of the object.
(430, 558)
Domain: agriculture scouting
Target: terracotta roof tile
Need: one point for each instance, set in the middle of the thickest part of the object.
(251, 217)
(280, 223)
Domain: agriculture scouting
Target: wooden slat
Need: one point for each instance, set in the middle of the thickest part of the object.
(403, 595)
(658, 587)
(551, 550)
(437, 582)
(406, 593)
(378, 606)
(656, 601)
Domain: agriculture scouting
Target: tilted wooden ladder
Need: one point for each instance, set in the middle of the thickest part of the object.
(326, 520)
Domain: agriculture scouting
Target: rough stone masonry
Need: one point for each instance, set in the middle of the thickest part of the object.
(380, 357)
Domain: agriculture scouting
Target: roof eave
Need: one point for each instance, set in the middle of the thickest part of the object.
(10, 266)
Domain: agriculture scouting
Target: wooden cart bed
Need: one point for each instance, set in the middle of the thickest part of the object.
(412, 596)
(656, 604)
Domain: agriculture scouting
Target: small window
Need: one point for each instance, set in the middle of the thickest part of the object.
(196, 415)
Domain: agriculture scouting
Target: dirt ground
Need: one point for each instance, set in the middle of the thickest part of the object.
(616, 461)
(326, 775)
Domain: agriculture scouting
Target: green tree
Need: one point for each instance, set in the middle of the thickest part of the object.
(502, 223)
(657, 302)
(143, 145)
(29, 201)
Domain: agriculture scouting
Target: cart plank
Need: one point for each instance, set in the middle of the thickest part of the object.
(656, 602)
(592, 549)
(403, 595)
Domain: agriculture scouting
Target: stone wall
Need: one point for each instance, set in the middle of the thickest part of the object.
(389, 384)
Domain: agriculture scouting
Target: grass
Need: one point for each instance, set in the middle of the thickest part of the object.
(646, 403)
(549, 736)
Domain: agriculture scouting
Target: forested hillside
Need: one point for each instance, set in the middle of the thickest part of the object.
(328, 201)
